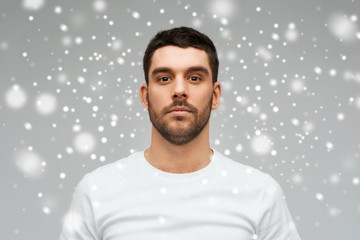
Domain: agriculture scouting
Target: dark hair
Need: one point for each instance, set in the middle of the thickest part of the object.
(182, 37)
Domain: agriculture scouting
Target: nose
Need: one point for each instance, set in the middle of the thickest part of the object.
(180, 89)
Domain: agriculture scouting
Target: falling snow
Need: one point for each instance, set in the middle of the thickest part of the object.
(33, 4)
(69, 101)
(29, 163)
(261, 144)
(46, 104)
(84, 142)
(343, 27)
(15, 97)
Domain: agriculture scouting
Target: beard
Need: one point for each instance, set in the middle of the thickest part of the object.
(180, 134)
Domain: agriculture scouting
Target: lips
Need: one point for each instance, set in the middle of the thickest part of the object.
(179, 108)
(179, 111)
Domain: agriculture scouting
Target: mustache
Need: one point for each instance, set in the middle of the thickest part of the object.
(179, 103)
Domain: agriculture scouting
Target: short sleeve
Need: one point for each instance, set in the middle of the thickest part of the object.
(275, 221)
(79, 222)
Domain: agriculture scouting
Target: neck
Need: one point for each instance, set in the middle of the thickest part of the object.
(186, 158)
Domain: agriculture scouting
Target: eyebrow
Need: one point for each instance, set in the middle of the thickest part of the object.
(160, 70)
(189, 70)
(198, 69)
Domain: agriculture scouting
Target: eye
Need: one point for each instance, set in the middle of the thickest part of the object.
(194, 78)
(164, 79)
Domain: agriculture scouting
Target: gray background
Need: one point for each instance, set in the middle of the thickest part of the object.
(70, 72)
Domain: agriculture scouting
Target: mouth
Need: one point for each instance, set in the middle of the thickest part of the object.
(179, 111)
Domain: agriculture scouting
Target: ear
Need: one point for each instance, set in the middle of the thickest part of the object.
(216, 96)
(144, 95)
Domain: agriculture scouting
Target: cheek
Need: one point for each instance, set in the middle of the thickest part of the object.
(202, 98)
(156, 100)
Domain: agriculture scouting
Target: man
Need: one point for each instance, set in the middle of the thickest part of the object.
(179, 188)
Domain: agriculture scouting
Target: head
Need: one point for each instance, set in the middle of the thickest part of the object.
(181, 89)
(183, 37)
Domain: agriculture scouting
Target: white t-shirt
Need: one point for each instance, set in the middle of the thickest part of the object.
(132, 200)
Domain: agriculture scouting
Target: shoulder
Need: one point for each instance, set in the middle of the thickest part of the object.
(247, 174)
(111, 172)
(126, 162)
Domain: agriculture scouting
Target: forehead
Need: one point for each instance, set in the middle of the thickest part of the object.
(178, 58)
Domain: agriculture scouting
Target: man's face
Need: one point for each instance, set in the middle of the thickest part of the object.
(180, 93)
